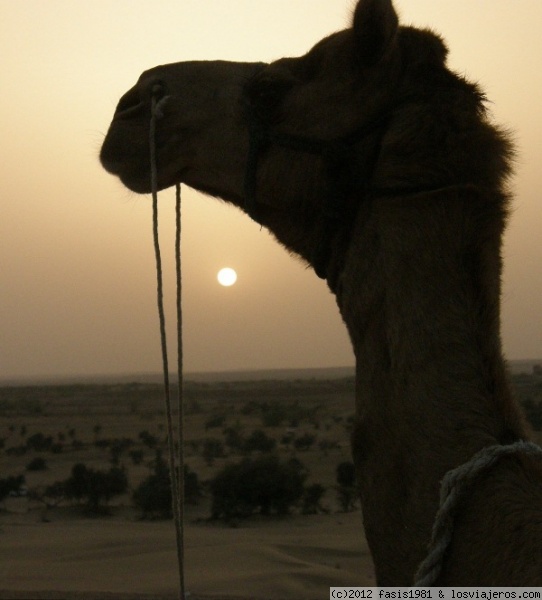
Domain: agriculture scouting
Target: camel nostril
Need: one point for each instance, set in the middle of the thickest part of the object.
(129, 105)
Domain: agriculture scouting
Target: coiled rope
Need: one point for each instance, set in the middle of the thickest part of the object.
(176, 472)
(453, 489)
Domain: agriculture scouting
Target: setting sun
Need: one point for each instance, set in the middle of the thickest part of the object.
(226, 277)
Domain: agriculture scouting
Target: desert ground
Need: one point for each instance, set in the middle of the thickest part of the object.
(49, 551)
(62, 551)
(300, 557)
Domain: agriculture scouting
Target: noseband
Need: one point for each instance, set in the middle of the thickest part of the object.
(338, 158)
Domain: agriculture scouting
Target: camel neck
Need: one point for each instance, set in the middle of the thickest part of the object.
(431, 384)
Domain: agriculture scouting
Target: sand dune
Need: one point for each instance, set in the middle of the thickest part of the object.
(298, 557)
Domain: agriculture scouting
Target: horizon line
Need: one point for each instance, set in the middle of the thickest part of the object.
(211, 375)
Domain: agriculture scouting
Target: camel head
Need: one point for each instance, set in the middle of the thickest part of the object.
(299, 143)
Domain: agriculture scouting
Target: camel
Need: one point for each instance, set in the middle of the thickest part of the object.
(379, 167)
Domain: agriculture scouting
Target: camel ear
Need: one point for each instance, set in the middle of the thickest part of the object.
(375, 29)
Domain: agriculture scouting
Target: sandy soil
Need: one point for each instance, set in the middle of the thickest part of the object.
(297, 557)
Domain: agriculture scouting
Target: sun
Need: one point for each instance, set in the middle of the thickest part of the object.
(226, 277)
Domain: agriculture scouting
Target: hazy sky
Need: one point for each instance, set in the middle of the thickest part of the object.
(77, 291)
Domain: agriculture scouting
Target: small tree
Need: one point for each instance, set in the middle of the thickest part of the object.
(259, 441)
(153, 495)
(95, 487)
(265, 484)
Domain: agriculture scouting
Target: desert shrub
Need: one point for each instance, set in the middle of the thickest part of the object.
(264, 484)
(39, 442)
(37, 464)
(193, 407)
(118, 447)
(250, 407)
(148, 439)
(304, 442)
(20, 405)
(346, 486)
(192, 487)
(194, 446)
(136, 456)
(312, 499)
(30, 406)
(259, 441)
(6, 407)
(103, 443)
(97, 429)
(287, 438)
(234, 439)
(212, 448)
(50, 495)
(215, 421)
(16, 451)
(11, 485)
(274, 415)
(326, 445)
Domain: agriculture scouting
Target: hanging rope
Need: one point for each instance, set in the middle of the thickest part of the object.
(453, 489)
(176, 474)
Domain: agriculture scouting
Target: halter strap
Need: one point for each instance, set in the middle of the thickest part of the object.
(337, 155)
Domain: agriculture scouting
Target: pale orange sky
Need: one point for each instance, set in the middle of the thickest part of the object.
(77, 291)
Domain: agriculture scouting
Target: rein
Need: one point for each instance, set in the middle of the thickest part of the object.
(176, 472)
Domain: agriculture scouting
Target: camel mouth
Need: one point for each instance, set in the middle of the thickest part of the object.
(135, 180)
(139, 180)
(137, 186)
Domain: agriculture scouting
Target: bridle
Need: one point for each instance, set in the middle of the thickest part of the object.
(338, 158)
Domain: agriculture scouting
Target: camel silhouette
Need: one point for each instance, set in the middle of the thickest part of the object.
(381, 168)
